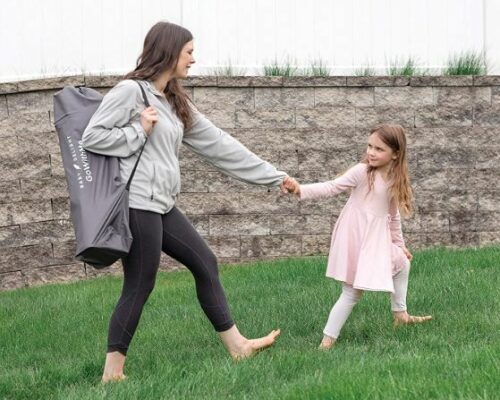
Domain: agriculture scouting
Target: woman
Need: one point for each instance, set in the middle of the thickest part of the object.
(119, 128)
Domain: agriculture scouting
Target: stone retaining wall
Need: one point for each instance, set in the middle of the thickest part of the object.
(312, 128)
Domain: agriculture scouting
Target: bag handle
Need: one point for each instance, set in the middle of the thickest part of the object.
(146, 102)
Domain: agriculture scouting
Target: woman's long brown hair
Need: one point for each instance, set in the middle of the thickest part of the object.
(394, 137)
(162, 47)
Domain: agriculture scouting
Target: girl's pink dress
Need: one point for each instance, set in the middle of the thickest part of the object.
(366, 248)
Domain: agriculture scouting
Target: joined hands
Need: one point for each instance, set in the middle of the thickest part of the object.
(290, 185)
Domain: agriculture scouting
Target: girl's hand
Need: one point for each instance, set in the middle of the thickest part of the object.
(408, 255)
(290, 185)
(149, 117)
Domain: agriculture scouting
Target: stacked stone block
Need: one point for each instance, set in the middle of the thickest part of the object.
(313, 128)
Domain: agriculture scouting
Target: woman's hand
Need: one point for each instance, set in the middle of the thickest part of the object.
(290, 185)
(149, 117)
(408, 255)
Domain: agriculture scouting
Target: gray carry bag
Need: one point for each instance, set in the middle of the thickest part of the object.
(99, 199)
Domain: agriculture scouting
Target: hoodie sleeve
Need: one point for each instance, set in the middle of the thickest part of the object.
(115, 128)
(348, 180)
(228, 154)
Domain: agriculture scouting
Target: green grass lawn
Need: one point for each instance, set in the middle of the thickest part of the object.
(53, 338)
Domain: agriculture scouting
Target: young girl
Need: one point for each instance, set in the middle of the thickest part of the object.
(367, 249)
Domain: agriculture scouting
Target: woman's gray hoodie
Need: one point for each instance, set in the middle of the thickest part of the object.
(115, 130)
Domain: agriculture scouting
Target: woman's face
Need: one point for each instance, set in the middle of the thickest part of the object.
(185, 61)
(379, 154)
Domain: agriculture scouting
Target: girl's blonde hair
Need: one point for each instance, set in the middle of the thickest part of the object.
(394, 137)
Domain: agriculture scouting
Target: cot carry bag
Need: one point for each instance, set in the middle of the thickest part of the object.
(99, 200)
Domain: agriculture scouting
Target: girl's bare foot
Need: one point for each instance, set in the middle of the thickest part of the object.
(113, 369)
(327, 343)
(240, 347)
(403, 318)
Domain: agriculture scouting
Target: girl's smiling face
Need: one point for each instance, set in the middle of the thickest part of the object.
(379, 154)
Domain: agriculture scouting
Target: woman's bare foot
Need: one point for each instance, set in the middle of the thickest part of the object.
(240, 347)
(113, 378)
(403, 318)
(327, 343)
(113, 369)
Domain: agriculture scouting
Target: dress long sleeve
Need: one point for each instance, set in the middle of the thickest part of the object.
(350, 179)
(395, 224)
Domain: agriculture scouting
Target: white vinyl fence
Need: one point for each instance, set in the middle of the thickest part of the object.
(44, 38)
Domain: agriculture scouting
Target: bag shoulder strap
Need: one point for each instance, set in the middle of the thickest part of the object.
(146, 102)
(144, 97)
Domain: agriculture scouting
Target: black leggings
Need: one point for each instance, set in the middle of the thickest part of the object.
(173, 234)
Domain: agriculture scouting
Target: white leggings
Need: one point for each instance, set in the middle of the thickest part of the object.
(350, 296)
